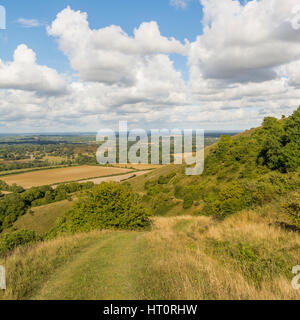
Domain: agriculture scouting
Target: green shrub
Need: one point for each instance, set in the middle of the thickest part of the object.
(149, 184)
(255, 262)
(161, 204)
(107, 206)
(10, 241)
(16, 189)
(3, 186)
(12, 206)
(292, 208)
(153, 191)
(13, 188)
(188, 201)
(166, 179)
(179, 192)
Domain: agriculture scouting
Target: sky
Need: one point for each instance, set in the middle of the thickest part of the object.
(80, 66)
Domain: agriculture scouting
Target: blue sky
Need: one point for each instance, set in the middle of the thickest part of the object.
(208, 64)
(173, 22)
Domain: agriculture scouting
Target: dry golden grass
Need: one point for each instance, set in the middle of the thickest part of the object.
(45, 177)
(186, 267)
(244, 257)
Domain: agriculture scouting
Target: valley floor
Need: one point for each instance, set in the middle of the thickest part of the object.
(245, 256)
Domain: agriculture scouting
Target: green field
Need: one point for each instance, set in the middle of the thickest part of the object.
(41, 219)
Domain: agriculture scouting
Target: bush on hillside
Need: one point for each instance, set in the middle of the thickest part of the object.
(157, 189)
(13, 188)
(292, 208)
(161, 203)
(188, 201)
(16, 189)
(12, 206)
(107, 206)
(10, 241)
(243, 194)
(178, 192)
(166, 179)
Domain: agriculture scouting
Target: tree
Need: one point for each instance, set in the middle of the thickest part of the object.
(107, 206)
(281, 149)
(292, 208)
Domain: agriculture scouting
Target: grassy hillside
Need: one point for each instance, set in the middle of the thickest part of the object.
(231, 233)
(241, 257)
(245, 171)
(41, 219)
(138, 183)
(246, 256)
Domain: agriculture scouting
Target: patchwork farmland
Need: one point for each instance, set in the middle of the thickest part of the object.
(54, 176)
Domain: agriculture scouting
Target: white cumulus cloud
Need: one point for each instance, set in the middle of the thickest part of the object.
(244, 43)
(23, 73)
(108, 55)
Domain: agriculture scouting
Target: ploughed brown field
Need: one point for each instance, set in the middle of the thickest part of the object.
(52, 176)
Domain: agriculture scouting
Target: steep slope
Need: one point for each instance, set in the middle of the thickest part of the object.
(244, 171)
(41, 219)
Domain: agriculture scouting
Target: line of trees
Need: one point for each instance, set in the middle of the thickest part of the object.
(14, 205)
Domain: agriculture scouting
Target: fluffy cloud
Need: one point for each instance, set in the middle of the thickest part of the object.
(24, 74)
(246, 61)
(243, 66)
(244, 43)
(292, 72)
(108, 55)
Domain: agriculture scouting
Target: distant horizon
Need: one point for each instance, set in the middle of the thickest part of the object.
(90, 133)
